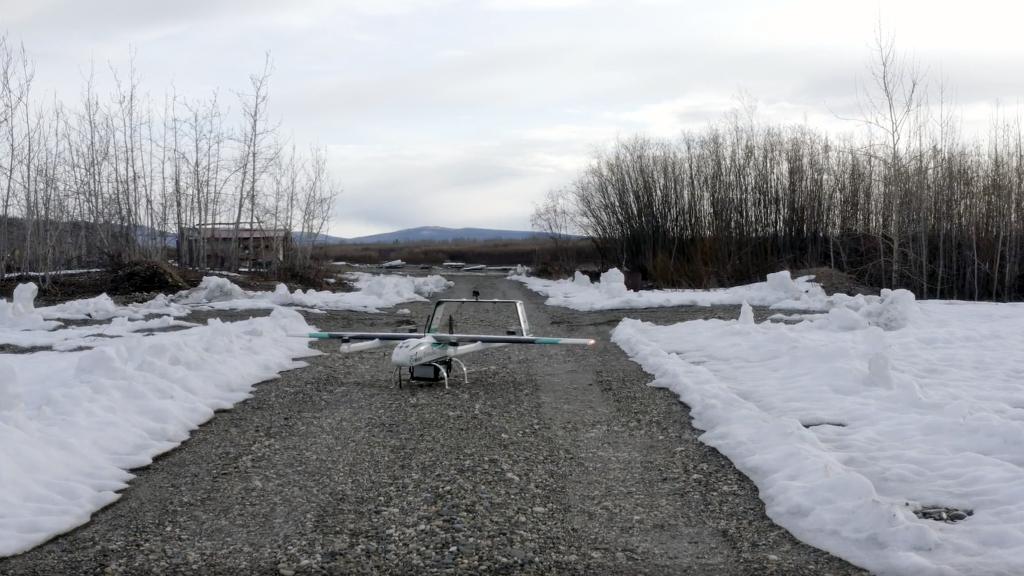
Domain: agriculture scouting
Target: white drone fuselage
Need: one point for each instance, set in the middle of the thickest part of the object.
(409, 353)
(417, 351)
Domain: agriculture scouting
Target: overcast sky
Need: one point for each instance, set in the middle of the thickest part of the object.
(462, 113)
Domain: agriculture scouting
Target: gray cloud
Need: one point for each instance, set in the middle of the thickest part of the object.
(463, 113)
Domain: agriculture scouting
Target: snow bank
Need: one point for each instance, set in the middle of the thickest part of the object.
(610, 292)
(891, 310)
(22, 324)
(73, 424)
(86, 336)
(102, 307)
(373, 292)
(849, 422)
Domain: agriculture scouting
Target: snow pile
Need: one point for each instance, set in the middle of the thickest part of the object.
(779, 290)
(102, 307)
(850, 422)
(73, 424)
(519, 271)
(373, 292)
(892, 310)
(407, 288)
(21, 314)
(211, 289)
(22, 324)
(87, 336)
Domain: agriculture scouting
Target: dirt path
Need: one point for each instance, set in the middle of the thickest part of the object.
(551, 460)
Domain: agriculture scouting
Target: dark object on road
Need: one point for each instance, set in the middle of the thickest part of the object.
(145, 276)
(835, 282)
(945, 514)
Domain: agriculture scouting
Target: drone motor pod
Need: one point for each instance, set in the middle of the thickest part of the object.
(349, 347)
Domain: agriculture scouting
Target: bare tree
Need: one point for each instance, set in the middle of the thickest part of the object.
(555, 217)
(255, 153)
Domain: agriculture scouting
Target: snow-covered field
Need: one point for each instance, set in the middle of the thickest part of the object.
(779, 290)
(849, 422)
(72, 424)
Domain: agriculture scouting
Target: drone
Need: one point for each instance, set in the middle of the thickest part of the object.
(429, 356)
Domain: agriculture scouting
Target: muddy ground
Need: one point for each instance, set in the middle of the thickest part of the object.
(552, 460)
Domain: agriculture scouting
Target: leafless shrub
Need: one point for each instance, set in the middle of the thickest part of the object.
(908, 204)
(114, 179)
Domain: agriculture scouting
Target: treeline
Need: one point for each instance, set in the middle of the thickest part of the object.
(528, 252)
(910, 203)
(113, 176)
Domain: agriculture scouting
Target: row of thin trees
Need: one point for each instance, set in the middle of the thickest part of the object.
(907, 203)
(118, 175)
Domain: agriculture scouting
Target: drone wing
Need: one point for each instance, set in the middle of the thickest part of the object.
(490, 339)
(447, 338)
(350, 336)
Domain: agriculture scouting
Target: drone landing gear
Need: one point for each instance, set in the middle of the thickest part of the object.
(434, 372)
(465, 373)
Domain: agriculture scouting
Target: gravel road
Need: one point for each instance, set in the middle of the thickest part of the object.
(553, 460)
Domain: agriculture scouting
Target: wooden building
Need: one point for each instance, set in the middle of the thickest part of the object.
(210, 246)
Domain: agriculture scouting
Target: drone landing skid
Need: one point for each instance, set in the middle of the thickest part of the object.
(433, 372)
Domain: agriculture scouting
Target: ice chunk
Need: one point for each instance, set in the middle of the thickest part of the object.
(782, 284)
(24, 298)
(746, 314)
(613, 284)
(21, 314)
(211, 289)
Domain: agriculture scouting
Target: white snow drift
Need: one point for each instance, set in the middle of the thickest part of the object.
(779, 290)
(22, 324)
(850, 421)
(73, 424)
(373, 292)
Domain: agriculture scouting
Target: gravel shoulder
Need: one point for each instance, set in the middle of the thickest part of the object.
(554, 460)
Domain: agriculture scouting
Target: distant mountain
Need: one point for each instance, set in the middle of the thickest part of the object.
(322, 239)
(441, 234)
(411, 235)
